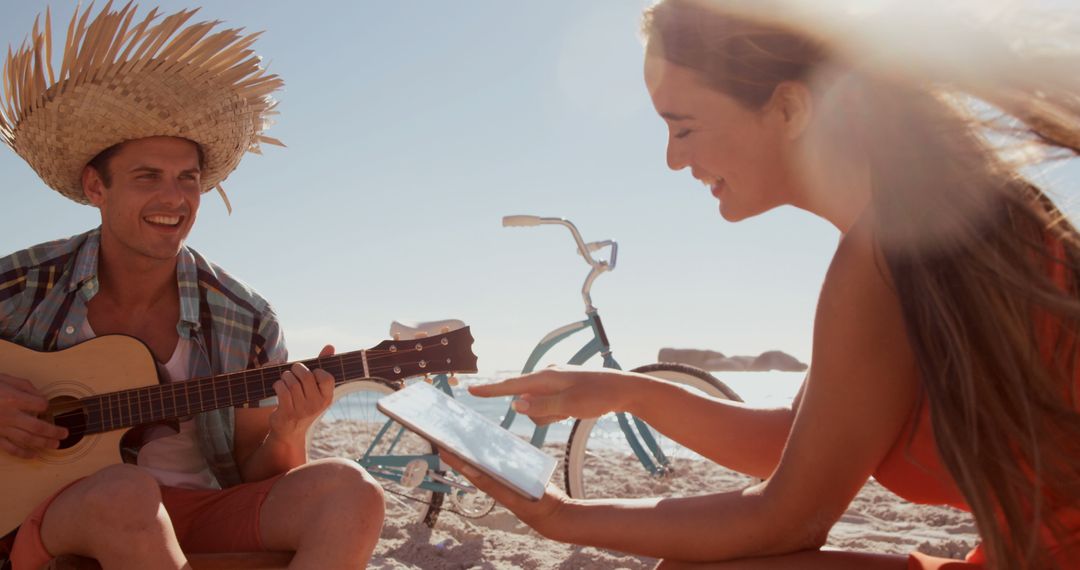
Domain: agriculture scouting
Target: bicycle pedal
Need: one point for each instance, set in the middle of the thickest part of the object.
(471, 504)
(414, 473)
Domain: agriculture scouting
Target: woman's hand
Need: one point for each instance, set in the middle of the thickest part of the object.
(546, 516)
(557, 393)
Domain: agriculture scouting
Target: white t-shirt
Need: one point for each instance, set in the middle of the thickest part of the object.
(174, 459)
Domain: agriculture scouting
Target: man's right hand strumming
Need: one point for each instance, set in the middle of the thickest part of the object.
(22, 433)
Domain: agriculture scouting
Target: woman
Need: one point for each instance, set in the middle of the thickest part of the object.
(944, 358)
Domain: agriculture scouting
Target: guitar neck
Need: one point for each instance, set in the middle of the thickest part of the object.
(391, 360)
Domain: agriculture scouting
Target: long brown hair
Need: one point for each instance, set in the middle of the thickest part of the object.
(969, 245)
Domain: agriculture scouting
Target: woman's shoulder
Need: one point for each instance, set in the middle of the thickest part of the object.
(858, 271)
(859, 325)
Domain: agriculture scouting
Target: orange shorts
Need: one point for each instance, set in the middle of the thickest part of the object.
(205, 520)
(973, 561)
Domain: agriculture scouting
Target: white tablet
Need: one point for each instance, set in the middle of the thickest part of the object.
(477, 440)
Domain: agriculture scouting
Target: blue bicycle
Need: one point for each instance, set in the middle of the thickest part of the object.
(615, 455)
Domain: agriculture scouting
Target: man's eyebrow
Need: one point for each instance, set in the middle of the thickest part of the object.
(676, 117)
(154, 170)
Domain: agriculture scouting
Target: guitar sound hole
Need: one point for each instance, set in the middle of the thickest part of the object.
(72, 419)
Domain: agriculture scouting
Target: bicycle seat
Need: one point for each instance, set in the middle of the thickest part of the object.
(410, 330)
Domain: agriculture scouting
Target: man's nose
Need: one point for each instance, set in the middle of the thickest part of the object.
(172, 192)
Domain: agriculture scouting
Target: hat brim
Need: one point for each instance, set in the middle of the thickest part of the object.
(121, 81)
(59, 138)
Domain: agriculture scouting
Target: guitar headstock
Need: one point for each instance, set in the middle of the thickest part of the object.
(445, 353)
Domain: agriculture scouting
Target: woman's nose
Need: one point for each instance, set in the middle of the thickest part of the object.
(676, 156)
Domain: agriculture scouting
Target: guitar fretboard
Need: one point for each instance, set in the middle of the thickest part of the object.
(127, 408)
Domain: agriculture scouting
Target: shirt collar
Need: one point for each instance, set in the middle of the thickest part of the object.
(187, 278)
(86, 263)
(85, 276)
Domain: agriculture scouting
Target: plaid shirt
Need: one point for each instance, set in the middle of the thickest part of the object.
(43, 295)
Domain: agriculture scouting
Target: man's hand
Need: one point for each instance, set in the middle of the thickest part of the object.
(22, 434)
(302, 395)
(557, 393)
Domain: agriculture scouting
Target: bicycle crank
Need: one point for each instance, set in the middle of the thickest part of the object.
(470, 513)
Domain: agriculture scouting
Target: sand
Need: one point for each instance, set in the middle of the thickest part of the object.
(877, 521)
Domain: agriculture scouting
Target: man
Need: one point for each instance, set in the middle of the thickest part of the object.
(140, 127)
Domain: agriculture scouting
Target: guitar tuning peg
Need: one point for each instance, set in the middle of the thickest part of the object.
(421, 334)
(397, 336)
(452, 380)
(444, 330)
(427, 378)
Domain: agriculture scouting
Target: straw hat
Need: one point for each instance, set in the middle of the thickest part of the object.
(119, 81)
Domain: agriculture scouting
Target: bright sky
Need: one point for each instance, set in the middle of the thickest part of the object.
(413, 127)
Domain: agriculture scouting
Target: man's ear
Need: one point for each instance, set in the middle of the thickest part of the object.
(93, 186)
(794, 105)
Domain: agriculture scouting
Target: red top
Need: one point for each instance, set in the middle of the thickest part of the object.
(913, 469)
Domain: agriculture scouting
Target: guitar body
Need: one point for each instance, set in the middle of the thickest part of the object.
(100, 388)
(104, 364)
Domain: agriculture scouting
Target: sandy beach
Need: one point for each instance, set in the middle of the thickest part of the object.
(877, 521)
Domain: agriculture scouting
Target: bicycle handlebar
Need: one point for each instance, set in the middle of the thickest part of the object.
(521, 221)
(585, 249)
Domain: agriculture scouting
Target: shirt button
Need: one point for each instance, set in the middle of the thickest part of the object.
(70, 329)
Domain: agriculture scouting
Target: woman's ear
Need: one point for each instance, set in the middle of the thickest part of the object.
(93, 186)
(794, 106)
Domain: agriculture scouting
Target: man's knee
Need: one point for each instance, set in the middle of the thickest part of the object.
(121, 495)
(343, 494)
(122, 501)
(326, 499)
(343, 480)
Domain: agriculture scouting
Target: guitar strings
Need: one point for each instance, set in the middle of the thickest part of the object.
(134, 413)
(95, 404)
(216, 398)
(346, 360)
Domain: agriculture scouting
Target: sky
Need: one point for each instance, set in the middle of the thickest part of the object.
(413, 127)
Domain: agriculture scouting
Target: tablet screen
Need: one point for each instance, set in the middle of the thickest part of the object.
(477, 440)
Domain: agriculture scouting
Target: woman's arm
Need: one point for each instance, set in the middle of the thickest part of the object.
(737, 436)
(859, 393)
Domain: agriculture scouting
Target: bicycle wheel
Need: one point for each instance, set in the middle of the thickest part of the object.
(348, 428)
(601, 464)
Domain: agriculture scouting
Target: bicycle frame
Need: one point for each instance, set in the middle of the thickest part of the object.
(391, 466)
(650, 454)
(637, 433)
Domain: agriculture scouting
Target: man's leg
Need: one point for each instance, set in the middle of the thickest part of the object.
(329, 511)
(116, 517)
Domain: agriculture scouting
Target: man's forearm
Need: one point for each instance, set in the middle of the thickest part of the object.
(274, 456)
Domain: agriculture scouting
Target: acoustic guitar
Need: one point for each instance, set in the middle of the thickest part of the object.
(101, 388)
